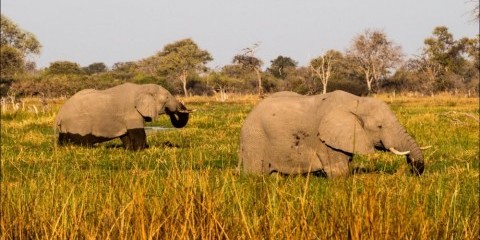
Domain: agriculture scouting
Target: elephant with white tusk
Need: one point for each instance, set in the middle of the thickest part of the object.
(93, 116)
(294, 134)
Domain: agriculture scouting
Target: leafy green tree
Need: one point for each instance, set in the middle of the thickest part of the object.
(11, 62)
(280, 66)
(93, 68)
(125, 67)
(443, 58)
(16, 46)
(64, 68)
(299, 80)
(222, 82)
(374, 55)
(124, 70)
(473, 50)
(444, 50)
(472, 74)
(17, 38)
(182, 58)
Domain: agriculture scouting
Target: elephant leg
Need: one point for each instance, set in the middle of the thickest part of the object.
(135, 139)
(127, 143)
(62, 139)
(338, 163)
(335, 163)
(252, 157)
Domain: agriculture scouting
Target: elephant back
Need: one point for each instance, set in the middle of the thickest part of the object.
(92, 112)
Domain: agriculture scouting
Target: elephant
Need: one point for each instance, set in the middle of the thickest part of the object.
(93, 116)
(289, 133)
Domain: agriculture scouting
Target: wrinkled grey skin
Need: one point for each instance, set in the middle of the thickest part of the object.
(92, 116)
(293, 134)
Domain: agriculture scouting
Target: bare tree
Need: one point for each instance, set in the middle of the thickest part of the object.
(374, 55)
(248, 60)
(425, 71)
(323, 66)
(322, 69)
(475, 12)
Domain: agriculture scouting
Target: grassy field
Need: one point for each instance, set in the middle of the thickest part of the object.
(185, 185)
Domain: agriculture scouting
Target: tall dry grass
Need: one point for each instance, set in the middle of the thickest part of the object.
(185, 185)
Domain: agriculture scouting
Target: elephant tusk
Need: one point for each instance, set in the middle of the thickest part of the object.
(426, 147)
(393, 150)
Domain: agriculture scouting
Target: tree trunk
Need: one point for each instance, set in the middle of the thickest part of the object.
(259, 77)
(326, 73)
(223, 94)
(183, 78)
(369, 80)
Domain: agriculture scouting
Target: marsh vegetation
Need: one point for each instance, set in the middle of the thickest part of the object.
(185, 185)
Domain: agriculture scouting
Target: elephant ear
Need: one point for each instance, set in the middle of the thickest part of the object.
(146, 106)
(344, 131)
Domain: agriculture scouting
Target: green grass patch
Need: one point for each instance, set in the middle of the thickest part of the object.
(185, 185)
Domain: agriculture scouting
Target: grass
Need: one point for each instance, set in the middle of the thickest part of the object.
(185, 185)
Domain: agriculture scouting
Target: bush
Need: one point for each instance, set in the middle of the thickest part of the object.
(352, 87)
(142, 79)
(60, 85)
(64, 67)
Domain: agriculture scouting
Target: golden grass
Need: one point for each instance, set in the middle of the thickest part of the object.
(190, 189)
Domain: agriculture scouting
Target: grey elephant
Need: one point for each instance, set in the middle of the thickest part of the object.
(294, 134)
(93, 116)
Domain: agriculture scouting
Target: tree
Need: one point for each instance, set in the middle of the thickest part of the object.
(181, 58)
(323, 66)
(64, 68)
(247, 60)
(223, 81)
(16, 46)
(374, 55)
(11, 62)
(443, 50)
(124, 67)
(280, 66)
(475, 12)
(429, 69)
(93, 68)
(17, 38)
(444, 57)
(473, 50)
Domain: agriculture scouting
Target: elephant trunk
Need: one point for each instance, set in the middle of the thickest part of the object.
(178, 115)
(413, 152)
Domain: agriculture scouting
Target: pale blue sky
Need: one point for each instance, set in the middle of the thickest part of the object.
(112, 31)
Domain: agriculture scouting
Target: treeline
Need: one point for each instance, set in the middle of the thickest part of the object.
(373, 63)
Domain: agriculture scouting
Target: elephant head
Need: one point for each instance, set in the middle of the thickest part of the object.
(359, 125)
(154, 100)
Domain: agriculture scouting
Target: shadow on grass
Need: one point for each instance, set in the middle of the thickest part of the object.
(166, 144)
(364, 170)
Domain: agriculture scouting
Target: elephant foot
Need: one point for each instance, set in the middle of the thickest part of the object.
(135, 139)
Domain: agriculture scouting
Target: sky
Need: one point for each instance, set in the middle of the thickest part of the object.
(111, 31)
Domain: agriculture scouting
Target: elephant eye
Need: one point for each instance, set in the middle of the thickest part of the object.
(379, 126)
